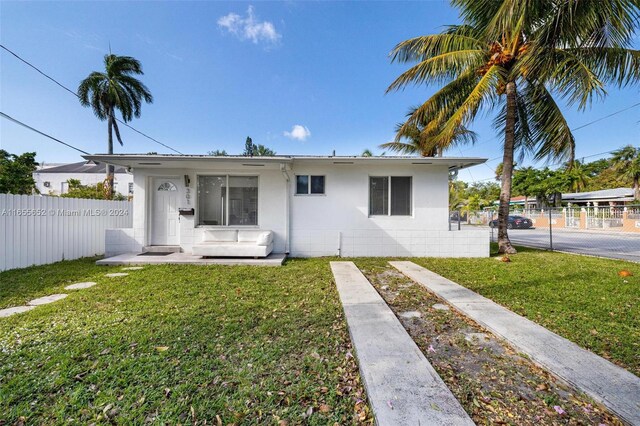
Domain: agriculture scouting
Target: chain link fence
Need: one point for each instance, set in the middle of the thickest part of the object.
(604, 231)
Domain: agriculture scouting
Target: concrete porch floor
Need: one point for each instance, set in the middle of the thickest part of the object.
(274, 259)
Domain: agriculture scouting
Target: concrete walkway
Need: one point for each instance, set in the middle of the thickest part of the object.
(402, 387)
(606, 383)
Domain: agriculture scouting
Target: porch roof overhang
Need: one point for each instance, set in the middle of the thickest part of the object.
(133, 161)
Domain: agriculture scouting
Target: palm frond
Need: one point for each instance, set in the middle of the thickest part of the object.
(440, 68)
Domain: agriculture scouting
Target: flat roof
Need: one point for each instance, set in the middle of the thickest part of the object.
(80, 167)
(163, 160)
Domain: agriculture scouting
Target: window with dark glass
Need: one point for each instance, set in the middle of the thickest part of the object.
(306, 184)
(390, 196)
(317, 184)
(228, 200)
(302, 184)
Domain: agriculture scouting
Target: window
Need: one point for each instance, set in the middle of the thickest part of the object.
(64, 187)
(390, 195)
(165, 186)
(306, 184)
(228, 200)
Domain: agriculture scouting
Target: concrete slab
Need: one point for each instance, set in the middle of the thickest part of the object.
(7, 312)
(612, 386)
(116, 274)
(80, 286)
(410, 314)
(274, 259)
(402, 387)
(46, 299)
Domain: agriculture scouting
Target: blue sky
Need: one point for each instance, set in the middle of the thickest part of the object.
(299, 77)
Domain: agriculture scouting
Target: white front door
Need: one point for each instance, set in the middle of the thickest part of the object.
(164, 212)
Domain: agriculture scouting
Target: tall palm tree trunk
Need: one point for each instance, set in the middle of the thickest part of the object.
(504, 244)
(109, 190)
(636, 188)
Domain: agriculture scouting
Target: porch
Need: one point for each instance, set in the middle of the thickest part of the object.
(149, 258)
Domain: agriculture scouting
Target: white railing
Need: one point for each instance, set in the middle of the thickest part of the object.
(36, 230)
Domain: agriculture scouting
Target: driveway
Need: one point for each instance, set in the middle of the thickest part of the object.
(611, 244)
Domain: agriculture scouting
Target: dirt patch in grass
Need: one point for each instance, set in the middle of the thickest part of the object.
(494, 384)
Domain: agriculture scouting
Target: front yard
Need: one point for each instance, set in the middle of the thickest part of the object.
(178, 344)
(245, 345)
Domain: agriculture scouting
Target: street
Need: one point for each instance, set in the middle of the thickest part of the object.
(625, 246)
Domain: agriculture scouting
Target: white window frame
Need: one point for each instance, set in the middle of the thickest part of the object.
(308, 193)
(388, 196)
(226, 207)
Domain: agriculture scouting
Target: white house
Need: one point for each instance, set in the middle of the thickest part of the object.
(53, 180)
(314, 206)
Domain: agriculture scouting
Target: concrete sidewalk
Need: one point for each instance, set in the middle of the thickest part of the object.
(606, 383)
(402, 387)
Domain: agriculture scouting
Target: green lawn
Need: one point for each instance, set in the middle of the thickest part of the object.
(581, 298)
(178, 344)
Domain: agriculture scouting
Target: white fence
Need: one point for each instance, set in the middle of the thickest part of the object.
(36, 230)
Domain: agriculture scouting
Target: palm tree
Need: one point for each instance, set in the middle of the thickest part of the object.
(111, 90)
(415, 138)
(262, 151)
(577, 176)
(626, 162)
(513, 57)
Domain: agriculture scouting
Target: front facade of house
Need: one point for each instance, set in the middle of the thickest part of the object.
(315, 206)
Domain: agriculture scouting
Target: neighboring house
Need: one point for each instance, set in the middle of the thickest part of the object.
(52, 180)
(519, 201)
(315, 206)
(604, 197)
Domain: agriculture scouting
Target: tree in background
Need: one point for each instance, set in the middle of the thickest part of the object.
(577, 176)
(626, 162)
(99, 191)
(415, 139)
(16, 173)
(248, 147)
(473, 197)
(262, 151)
(524, 181)
(367, 153)
(111, 90)
(511, 56)
(218, 153)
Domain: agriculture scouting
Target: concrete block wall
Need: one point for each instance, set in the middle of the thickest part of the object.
(122, 240)
(390, 243)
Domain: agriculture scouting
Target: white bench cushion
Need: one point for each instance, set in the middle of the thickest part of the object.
(220, 235)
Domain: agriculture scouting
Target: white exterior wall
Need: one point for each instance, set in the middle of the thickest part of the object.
(271, 204)
(55, 180)
(336, 223)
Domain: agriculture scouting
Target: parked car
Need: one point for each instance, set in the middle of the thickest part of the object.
(514, 222)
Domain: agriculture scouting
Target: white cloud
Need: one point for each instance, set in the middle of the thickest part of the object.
(298, 132)
(248, 28)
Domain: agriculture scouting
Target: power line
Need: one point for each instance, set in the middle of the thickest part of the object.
(582, 126)
(8, 117)
(548, 165)
(77, 96)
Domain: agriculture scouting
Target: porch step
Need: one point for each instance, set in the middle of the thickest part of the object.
(161, 249)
